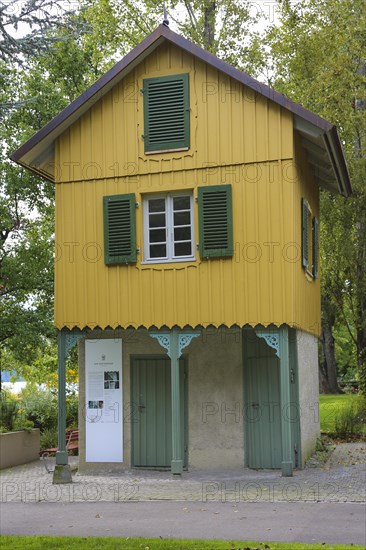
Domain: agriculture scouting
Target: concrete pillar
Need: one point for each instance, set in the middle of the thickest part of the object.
(285, 399)
(62, 472)
(174, 342)
(177, 451)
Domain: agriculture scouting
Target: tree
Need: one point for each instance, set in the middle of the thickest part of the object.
(26, 201)
(223, 27)
(318, 54)
(60, 55)
(24, 28)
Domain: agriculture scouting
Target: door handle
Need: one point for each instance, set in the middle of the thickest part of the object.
(255, 405)
(141, 408)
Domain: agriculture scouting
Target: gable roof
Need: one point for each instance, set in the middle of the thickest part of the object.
(319, 137)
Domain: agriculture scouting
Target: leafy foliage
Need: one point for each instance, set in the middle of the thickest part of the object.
(24, 26)
(8, 411)
(60, 57)
(318, 58)
(350, 420)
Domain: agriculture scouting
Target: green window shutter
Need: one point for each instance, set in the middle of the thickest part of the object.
(119, 229)
(166, 113)
(215, 221)
(304, 233)
(315, 247)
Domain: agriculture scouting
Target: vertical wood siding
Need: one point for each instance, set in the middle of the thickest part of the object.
(237, 137)
(230, 124)
(307, 289)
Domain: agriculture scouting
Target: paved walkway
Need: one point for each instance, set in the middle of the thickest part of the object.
(341, 479)
(322, 522)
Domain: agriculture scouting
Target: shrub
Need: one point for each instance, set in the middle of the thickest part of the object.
(8, 411)
(23, 424)
(49, 439)
(72, 411)
(40, 407)
(350, 420)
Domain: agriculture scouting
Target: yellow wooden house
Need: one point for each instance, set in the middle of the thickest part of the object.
(187, 237)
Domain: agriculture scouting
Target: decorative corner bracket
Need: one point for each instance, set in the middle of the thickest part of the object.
(272, 340)
(164, 340)
(184, 339)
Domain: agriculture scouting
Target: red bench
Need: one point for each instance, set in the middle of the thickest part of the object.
(72, 444)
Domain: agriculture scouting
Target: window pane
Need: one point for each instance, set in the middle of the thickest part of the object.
(158, 251)
(182, 203)
(157, 205)
(157, 236)
(157, 220)
(182, 218)
(182, 234)
(182, 249)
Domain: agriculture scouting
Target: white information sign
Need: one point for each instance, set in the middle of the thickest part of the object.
(104, 407)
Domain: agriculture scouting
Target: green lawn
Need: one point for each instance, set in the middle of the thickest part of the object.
(100, 543)
(328, 405)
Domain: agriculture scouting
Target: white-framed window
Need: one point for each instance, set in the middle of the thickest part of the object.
(168, 227)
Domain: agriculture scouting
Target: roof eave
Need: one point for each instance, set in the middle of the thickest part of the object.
(73, 111)
(335, 152)
(87, 98)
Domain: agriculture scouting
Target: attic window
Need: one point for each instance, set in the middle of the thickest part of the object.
(166, 113)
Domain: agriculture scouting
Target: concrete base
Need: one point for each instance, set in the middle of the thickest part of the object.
(177, 466)
(287, 469)
(62, 474)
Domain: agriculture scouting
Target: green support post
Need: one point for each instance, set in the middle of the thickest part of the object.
(62, 472)
(287, 461)
(174, 342)
(177, 456)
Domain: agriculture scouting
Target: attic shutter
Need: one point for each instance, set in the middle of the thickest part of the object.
(304, 233)
(315, 247)
(215, 221)
(166, 113)
(119, 229)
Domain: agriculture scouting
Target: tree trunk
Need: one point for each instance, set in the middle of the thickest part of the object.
(330, 363)
(323, 382)
(209, 24)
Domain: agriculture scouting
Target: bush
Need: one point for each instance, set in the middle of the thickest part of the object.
(49, 439)
(72, 411)
(12, 417)
(40, 407)
(350, 420)
(35, 409)
(23, 424)
(8, 411)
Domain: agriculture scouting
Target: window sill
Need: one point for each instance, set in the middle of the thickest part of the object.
(161, 151)
(167, 262)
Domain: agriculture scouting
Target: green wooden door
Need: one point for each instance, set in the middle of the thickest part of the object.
(152, 419)
(263, 413)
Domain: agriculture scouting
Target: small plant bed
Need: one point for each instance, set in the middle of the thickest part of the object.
(99, 543)
(323, 450)
(343, 416)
